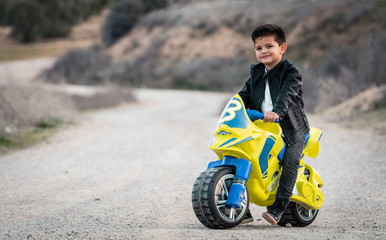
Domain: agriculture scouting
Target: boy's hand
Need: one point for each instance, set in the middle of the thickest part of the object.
(270, 117)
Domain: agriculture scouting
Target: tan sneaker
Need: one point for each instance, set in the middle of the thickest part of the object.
(271, 217)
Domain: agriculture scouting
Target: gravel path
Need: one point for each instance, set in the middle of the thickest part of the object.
(127, 173)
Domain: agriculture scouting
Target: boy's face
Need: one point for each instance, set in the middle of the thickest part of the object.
(268, 51)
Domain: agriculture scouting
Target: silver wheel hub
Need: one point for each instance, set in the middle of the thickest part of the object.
(304, 213)
(221, 195)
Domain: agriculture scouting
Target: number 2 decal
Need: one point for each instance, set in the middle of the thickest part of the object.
(231, 110)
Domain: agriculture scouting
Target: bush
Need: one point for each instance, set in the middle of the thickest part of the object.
(123, 16)
(82, 66)
(25, 17)
(150, 5)
(25, 106)
(34, 19)
(3, 7)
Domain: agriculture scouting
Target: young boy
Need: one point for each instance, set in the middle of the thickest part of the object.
(275, 88)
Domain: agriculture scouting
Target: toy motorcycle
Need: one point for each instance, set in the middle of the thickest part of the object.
(248, 170)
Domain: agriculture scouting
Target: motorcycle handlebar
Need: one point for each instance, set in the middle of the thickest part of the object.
(256, 115)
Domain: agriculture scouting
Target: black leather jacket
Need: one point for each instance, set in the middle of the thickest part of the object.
(285, 83)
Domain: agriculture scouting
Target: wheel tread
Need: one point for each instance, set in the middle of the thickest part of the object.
(200, 200)
(288, 217)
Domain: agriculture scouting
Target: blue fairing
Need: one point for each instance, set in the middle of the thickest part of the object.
(234, 115)
(229, 141)
(241, 141)
(265, 155)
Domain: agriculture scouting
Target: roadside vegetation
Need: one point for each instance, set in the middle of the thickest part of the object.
(24, 138)
(32, 20)
(123, 16)
(29, 114)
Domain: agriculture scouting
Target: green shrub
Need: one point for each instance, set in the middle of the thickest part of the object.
(5, 141)
(123, 16)
(3, 8)
(81, 66)
(25, 17)
(150, 5)
(48, 123)
(34, 19)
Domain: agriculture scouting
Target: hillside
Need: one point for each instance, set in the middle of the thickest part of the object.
(206, 45)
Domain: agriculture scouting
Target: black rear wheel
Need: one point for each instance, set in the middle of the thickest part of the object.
(297, 215)
(209, 196)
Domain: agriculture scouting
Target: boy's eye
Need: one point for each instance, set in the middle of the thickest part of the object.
(258, 49)
(269, 46)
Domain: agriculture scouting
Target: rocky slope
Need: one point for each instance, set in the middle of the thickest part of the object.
(206, 45)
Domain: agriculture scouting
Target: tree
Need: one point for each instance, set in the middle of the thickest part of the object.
(123, 16)
(24, 16)
(34, 19)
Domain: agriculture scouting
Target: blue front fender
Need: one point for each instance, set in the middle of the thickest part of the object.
(243, 169)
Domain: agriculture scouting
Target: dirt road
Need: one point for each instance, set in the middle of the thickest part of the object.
(127, 173)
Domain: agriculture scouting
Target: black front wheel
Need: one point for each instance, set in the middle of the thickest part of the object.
(209, 196)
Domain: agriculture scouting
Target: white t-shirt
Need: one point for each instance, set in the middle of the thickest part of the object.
(267, 104)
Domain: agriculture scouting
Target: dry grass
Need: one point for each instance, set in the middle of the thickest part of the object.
(29, 114)
(13, 52)
(23, 106)
(110, 97)
(83, 35)
(366, 111)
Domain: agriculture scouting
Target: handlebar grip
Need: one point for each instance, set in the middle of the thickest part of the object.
(256, 115)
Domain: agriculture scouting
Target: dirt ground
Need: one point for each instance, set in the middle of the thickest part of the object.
(128, 172)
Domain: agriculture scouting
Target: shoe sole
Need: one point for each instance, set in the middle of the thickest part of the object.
(248, 220)
(269, 219)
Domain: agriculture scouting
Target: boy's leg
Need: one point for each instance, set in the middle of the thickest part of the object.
(288, 177)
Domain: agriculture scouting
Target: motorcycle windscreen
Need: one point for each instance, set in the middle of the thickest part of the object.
(234, 114)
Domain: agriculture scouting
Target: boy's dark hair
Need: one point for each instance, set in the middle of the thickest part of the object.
(269, 30)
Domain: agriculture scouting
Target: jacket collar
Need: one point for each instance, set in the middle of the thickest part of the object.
(275, 69)
(258, 70)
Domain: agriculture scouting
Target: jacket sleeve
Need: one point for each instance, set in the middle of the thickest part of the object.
(244, 93)
(288, 93)
(246, 90)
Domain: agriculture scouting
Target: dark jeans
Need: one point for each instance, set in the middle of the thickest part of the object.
(288, 177)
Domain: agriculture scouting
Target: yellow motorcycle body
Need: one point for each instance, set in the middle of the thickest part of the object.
(261, 146)
(261, 143)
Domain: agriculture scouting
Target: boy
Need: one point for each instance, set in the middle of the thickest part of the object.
(275, 88)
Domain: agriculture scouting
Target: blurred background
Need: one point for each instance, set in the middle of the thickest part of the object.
(58, 57)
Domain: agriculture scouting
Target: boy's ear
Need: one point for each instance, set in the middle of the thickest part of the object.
(283, 48)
